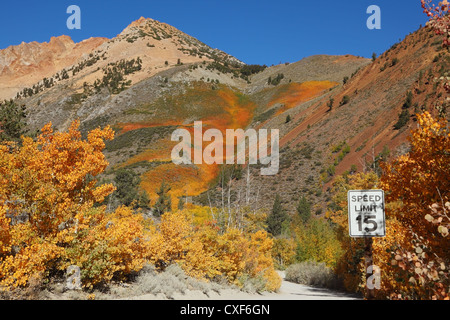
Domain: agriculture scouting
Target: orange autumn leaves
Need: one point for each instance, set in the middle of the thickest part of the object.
(183, 179)
(414, 255)
(47, 193)
(421, 177)
(222, 109)
(50, 219)
(292, 94)
(419, 185)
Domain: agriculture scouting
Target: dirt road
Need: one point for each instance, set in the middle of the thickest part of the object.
(288, 291)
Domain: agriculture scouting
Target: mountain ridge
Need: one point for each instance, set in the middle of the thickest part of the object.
(168, 79)
(27, 63)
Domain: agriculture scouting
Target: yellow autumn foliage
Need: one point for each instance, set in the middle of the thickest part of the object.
(205, 252)
(317, 241)
(414, 255)
(349, 265)
(50, 219)
(283, 252)
(47, 220)
(106, 245)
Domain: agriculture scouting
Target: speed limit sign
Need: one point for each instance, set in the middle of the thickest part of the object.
(366, 215)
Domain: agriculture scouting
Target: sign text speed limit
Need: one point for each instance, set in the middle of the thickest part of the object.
(366, 216)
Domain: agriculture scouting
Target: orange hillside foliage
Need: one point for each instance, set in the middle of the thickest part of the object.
(139, 125)
(234, 111)
(159, 151)
(293, 94)
(184, 180)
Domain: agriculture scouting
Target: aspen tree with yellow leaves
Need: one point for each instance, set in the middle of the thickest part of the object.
(414, 255)
(418, 186)
(47, 216)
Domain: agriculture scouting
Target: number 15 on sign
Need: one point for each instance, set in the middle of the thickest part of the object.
(366, 215)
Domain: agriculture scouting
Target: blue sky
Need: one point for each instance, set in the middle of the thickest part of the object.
(256, 32)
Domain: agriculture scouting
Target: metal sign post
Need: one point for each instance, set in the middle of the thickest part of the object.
(368, 261)
(366, 219)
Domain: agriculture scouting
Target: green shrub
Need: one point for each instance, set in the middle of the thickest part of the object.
(345, 100)
(276, 81)
(403, 119)
(330, 104)
(394, 62)
(331, 170)
(252, 284)
(345, 80)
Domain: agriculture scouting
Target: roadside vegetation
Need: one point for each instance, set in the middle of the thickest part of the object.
(136, 225)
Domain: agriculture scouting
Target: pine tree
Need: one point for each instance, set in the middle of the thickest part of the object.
(64, 75)
(277, 217)
(304, 209)
(126, 182)
(163, 203)
(403, 119)
(12, 121)
(408, 101)
(144, 200)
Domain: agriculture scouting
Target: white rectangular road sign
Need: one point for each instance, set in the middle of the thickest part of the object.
(366, 215)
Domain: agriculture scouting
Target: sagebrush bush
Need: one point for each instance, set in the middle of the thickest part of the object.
(312, 273)
(169, 282)
(253, 284)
